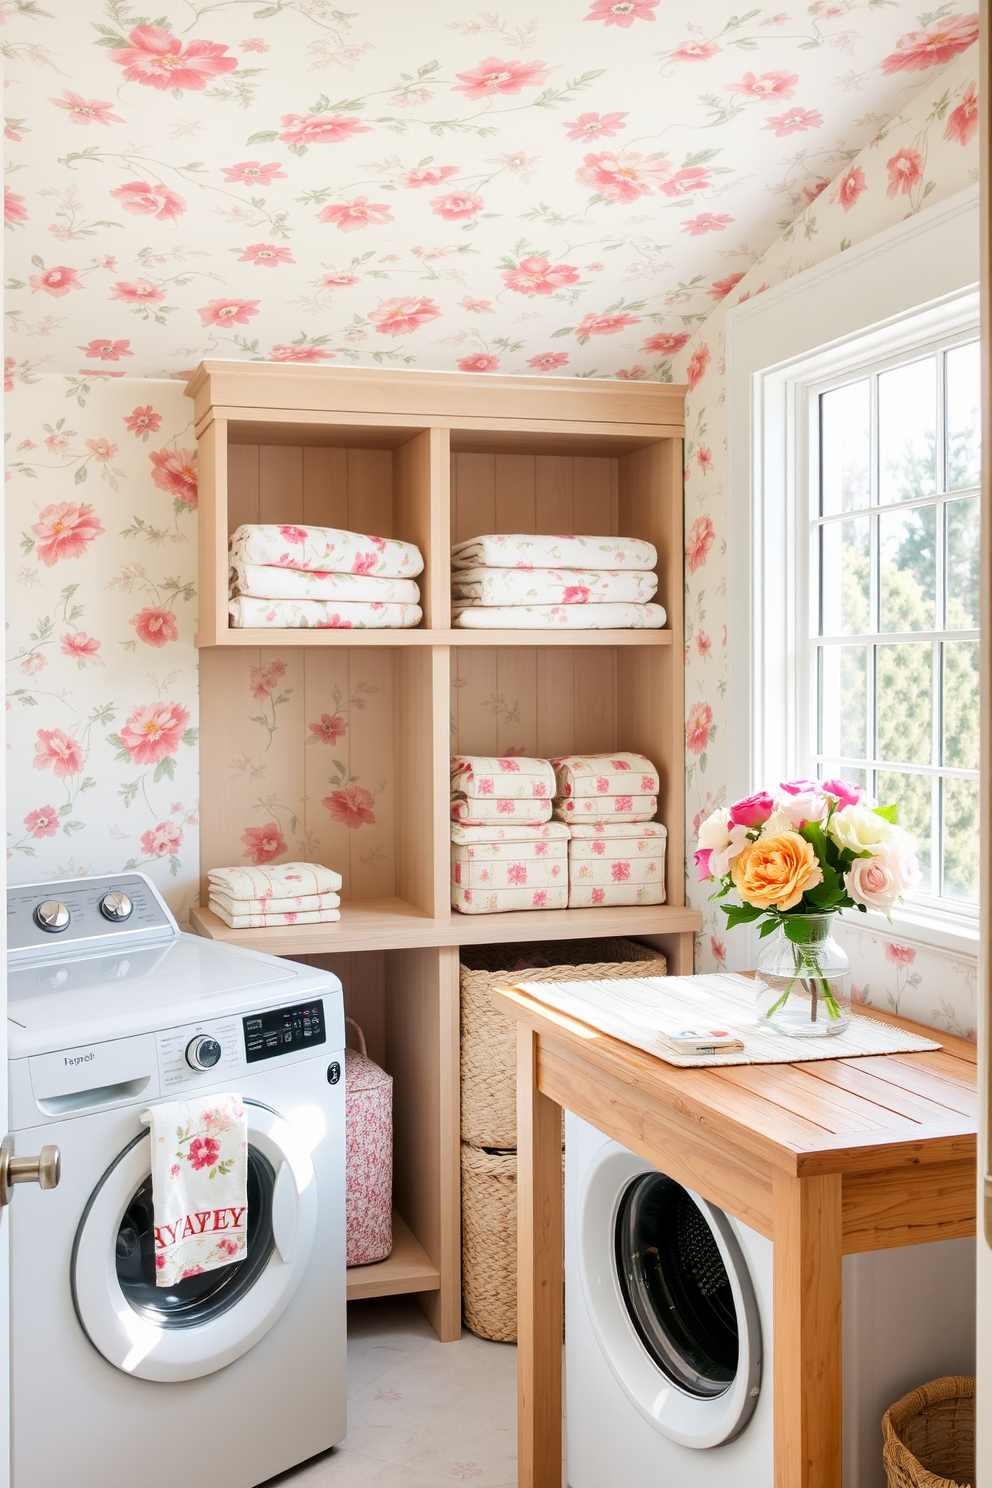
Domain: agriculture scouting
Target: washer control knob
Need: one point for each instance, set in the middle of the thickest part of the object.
(52, 915)
(116, 906)
(203, 1052)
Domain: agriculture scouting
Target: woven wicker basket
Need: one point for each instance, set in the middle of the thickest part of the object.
(929, 1436)
(489, 1242)
(489, 1082)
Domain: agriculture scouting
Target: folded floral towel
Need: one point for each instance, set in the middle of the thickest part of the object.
(596, 838)
(515, 873)
(481, 809)
(327, 549)
(541, 586)
(492, 837)
(275, 917)
(604, 775)
(297, 903)
(498, 901)
(199, 1162)
(512, 778)
(319, 614)
(269, 581)
(606, 808)
(626, 859)
(525, 550)
(275, 880)
(608, 616)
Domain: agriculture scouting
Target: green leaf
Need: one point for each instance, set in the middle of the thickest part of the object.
(81, 475)
(767, 928)
(264, 137)
(165, 767)
(798, 930)
(741, 914)
(888, 813)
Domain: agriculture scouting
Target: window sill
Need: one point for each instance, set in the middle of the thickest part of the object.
(912, 925)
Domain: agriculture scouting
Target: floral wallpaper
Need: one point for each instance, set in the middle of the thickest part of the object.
(537, 187)
(101, 607)
(928, 151)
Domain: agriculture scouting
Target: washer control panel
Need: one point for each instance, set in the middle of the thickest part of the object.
(198, 1052)
(84, 913)
(283, 1031)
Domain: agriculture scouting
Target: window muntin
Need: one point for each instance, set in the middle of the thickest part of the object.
(894, 599)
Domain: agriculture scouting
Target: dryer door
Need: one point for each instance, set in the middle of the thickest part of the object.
(202, 1323)
(670, 1298)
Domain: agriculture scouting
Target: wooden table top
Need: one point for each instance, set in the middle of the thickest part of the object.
(853, 1115)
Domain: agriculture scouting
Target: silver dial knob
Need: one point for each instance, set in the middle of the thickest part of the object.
(203, 1052)
(116, 906)
(53, 915)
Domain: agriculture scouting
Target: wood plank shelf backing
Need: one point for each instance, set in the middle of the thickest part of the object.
(333, 745)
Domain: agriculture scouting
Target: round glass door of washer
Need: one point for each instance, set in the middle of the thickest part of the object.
(207, 1320)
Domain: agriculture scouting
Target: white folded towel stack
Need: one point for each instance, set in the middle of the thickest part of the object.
(521, 581)
(199, 1163)
(286, 576)
(275, 894)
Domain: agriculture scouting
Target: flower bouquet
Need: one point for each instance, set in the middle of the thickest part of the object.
(795, 860)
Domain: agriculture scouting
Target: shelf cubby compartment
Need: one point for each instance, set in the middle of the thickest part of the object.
(370, 479)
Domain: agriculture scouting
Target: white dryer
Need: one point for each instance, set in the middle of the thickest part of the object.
(668, 1331)
(227, 1377)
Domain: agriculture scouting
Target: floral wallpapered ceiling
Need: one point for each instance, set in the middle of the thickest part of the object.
(557, 186)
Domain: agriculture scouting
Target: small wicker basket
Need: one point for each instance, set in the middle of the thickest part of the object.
(489, 1080)
(929, 1436)
(489, 1242)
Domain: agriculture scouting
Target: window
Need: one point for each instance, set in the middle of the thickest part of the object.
(892, 687)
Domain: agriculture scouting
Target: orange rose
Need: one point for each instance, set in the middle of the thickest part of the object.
(776, 871)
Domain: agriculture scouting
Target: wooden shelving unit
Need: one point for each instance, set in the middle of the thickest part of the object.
(339, 740)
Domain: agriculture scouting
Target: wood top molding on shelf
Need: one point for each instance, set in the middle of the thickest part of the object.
(262, 390)
(421, 637)
(393, 924)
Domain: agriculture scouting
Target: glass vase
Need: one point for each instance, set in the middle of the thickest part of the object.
(804, 979)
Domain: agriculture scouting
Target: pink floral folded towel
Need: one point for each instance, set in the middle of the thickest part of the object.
(325, 550)
(259, 919)
(199, 1163)
(274, 881)
(478, 810)
(481, 776)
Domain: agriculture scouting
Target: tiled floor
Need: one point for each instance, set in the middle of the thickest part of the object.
(421, 1414)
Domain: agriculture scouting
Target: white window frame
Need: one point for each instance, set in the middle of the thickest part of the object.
(806, 393)
(883, 298)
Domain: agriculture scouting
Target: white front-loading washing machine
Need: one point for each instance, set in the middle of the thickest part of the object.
(668, 1331)
(229, 1376)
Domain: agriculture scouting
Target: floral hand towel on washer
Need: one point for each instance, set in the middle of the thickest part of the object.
(527, 550)
(199, 1163)
(616, 863)
(552, 586)
(316, 614)
(617, 774)
(608, 616)
(326, 549)
(268, 581)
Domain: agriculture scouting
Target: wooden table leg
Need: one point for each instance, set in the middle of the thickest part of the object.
(540, 1276)
(806, 1355)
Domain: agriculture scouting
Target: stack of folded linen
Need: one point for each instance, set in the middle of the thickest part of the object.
(620, 862)
(605, 787)
(276, 894)
(489, 789)
(495, 868)
(523, 582)
(506, 853)
(322, 577)
(616, 853)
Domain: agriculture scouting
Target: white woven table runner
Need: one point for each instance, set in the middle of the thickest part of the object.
(632, 1011)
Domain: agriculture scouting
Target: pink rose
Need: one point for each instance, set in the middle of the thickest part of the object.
(752, 811)
(800, 787)
(847, 795)
(703, 855)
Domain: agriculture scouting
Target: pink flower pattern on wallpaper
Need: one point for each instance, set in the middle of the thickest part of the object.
(927, 153)
(202, 193)
(98, 591)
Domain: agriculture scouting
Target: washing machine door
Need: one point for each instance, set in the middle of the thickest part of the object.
(670, 1299)
(206, 1321)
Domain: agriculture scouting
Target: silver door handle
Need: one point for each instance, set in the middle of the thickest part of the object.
(45, 1169)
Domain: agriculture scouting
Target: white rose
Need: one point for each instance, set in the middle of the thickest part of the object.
(859, 830)
(809, 807)
(724, 839)
(779, 822)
